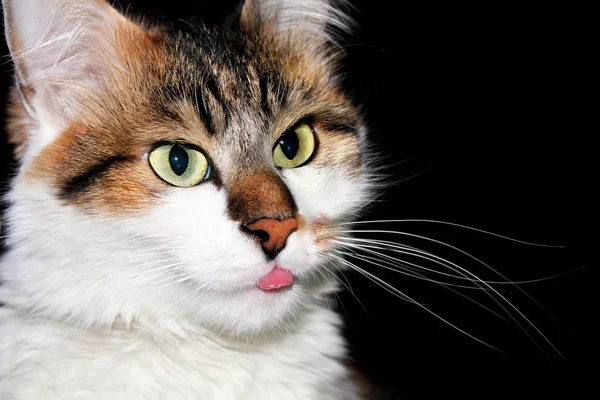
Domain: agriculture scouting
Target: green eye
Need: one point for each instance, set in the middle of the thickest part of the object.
(294, 147)
(179, 165)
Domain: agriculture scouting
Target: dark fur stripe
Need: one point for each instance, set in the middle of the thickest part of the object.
(82, 182)
(264, 95)
(204, 110)
(209, 86)
(334, 122)
(341, 128)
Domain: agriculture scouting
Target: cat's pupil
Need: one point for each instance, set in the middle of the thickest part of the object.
(289, 144)
(178, 159)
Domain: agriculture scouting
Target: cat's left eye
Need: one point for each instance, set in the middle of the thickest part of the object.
(294, 147)
(179, 164)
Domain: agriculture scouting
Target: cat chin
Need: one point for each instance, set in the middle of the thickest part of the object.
(253, 313)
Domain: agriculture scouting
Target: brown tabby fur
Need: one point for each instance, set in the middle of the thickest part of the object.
(187, 86)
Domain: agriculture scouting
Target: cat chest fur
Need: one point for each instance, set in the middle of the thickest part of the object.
(119, 365)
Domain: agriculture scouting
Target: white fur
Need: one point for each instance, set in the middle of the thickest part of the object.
(60, 360)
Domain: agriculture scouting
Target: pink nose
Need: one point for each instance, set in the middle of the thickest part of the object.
(272, 233)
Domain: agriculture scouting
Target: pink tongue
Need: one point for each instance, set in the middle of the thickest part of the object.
(276, 279)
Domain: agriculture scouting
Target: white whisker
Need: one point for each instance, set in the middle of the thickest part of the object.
(423, 254)
(348, 287)
(414, 253)
(398, 267)
(403, 296)
(423, 277)
(455, 225)
(506, 280)
(494, 291)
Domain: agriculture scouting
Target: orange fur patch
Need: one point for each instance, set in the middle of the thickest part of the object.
(323, 231)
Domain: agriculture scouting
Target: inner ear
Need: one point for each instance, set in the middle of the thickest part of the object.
(49, 40)
(61, 50)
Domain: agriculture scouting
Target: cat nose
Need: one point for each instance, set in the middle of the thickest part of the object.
(272, 233)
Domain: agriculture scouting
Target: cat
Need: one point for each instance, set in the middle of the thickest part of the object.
(177, 202)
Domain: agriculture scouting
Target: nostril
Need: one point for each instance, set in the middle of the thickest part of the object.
(260, 234)
(263, 236)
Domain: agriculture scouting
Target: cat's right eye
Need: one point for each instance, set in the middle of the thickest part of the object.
(179, 164)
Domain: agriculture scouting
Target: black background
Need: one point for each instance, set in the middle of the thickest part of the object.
(480, 114)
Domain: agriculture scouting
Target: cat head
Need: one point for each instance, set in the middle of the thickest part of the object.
(179, 174)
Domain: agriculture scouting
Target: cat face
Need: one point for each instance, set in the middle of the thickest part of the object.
(180, 174)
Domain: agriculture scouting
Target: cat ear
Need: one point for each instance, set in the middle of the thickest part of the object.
(57, 46)
(306, 22)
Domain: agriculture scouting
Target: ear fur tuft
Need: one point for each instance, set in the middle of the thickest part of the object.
(307, 22)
